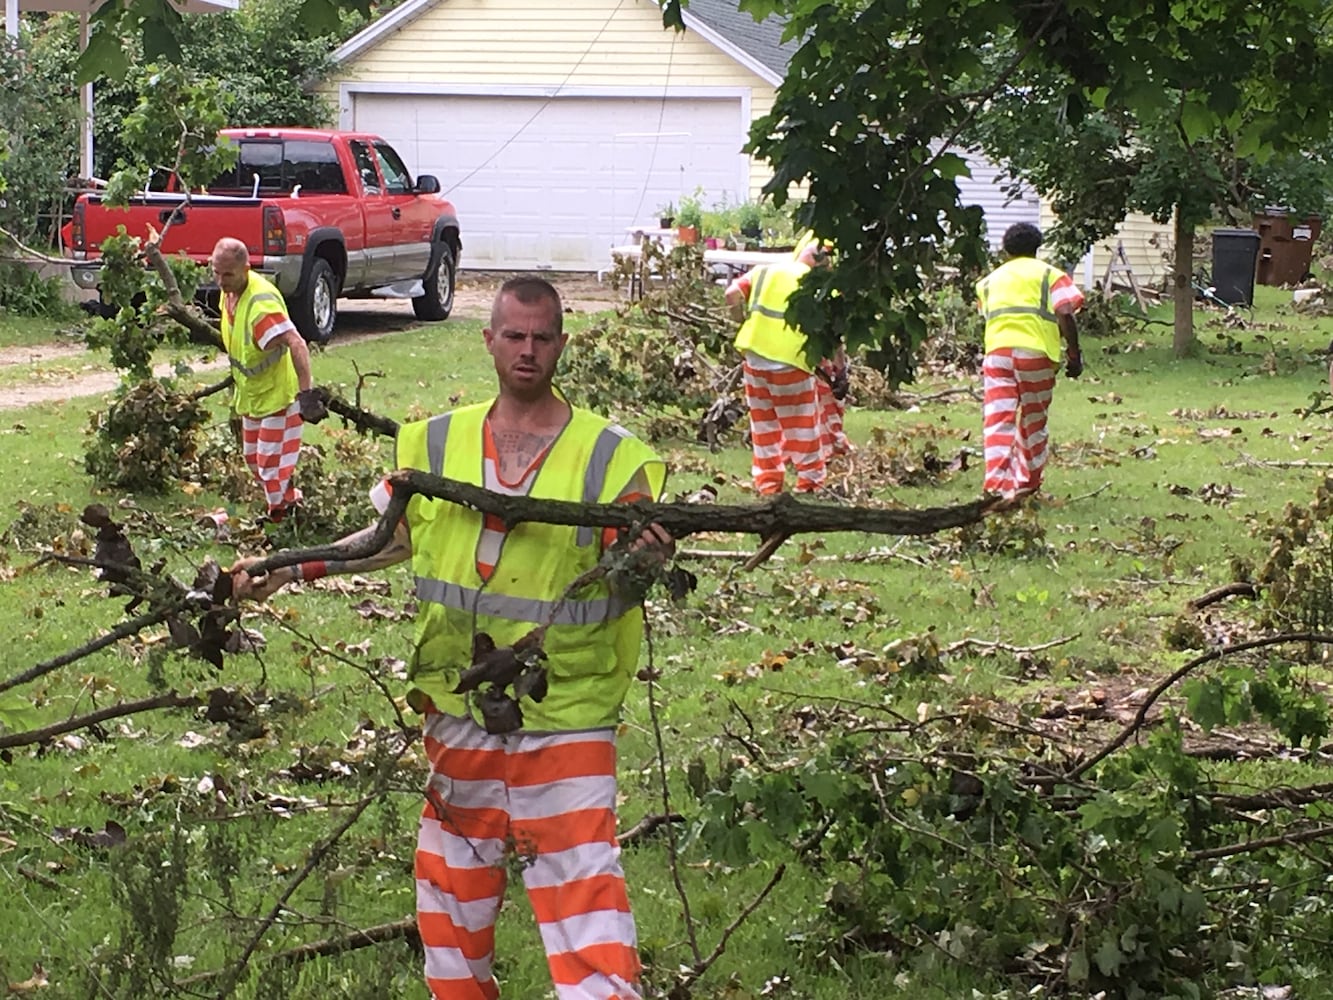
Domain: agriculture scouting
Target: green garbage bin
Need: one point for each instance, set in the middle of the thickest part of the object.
(1235, 253)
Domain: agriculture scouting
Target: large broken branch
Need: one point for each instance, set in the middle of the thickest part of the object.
(783, 515)
(122, 631)
(168, 700)
(177, 308)
(1137, 722)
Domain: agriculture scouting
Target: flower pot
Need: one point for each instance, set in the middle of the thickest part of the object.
(687, 234)
(667, 221)
(711, 242)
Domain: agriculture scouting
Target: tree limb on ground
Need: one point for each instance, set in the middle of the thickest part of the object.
(123, 631)
(168, 700)
(1137, 722)
(398, 930)
(29, 253)
(177, 308)
(1238, 589)
(783, 515)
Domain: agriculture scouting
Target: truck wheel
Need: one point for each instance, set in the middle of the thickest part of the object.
(438, 301)
(316, 310)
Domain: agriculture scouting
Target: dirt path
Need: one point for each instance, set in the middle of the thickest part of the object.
(60, 370)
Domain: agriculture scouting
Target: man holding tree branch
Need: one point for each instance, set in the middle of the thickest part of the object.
(539, 778)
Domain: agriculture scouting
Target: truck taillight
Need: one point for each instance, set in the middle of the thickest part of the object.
(275, 232)
(79, 230)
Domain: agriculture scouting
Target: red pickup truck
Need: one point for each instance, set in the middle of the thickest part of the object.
(324, 213)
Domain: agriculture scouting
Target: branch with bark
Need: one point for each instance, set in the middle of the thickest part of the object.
(782, 516)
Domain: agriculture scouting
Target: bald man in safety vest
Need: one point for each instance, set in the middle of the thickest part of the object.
(1028, 306)
(536, 781)
(795, 406)
(270, 366)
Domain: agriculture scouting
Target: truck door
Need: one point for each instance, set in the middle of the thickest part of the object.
(413, 217)
(381, 225)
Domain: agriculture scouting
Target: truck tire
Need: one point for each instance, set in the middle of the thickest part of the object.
(438, 301)
(315, 309)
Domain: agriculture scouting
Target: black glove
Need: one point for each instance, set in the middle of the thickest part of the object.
(1073, 364)
(840, 384)
(312, 406)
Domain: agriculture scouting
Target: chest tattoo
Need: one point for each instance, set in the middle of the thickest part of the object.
(518, 450)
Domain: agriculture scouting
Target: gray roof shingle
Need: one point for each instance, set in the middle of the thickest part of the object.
(761, 40)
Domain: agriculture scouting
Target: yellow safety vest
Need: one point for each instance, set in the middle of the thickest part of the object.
(265, 380)
(593, 646)
(1016, 302)
(765, 330)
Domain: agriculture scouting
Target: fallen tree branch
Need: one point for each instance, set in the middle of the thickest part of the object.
(362, 420)
(1249, 846)
(398, 930)
(122, 631)
(176, 307)
(29, 253)
(168, 700)
(231, 976)
(1238, 589)
(694, 972)
(783, 515)
(1161, 688)
(210, 390)
(987, 645)
(648, 826)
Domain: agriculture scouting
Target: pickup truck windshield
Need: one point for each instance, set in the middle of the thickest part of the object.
(282, 166)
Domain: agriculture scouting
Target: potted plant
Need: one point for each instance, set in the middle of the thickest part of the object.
(688, 220)
(749, 219)
(666, 215)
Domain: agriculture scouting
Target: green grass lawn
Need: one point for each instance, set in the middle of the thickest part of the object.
(1165, 473)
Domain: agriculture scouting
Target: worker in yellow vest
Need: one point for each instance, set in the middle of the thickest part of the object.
(795, 405)
(270, 367)
(539, 777)
(1028, 306)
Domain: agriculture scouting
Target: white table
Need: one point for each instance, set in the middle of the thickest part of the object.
(734, 262)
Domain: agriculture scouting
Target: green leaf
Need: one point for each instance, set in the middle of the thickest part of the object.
(1109, 957)
(1078, 965)
(105, 56)
(17, 712)
(1197, 121)
(1207, 700)
(952, 165)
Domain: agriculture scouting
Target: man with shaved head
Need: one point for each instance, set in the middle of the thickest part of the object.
(270, 364)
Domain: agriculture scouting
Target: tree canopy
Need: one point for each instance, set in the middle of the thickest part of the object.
(878, 89)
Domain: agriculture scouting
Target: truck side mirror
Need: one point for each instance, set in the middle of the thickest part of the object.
(427, 184)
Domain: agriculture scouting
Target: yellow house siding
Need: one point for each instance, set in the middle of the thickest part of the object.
(584, 44)
(1147, 245)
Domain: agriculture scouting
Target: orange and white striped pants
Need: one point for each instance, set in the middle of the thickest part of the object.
(550, 800)
(831, 410)
(785, 427)
(271, 446)
(1018, 384)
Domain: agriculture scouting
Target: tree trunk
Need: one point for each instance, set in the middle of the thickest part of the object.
(1182, 341)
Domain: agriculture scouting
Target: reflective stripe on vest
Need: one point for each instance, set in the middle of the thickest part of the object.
(1042, 310)
(483, 602)
(271, 358)
(757, 297)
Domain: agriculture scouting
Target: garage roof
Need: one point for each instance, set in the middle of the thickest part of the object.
(756, 45)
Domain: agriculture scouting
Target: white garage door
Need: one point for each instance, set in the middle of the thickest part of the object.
(552, 183)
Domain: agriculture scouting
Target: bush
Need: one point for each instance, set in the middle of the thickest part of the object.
(25, 293)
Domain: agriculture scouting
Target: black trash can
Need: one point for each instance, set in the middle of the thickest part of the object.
(1235, 254)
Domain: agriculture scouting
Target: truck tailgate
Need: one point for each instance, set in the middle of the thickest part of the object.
(193, 228)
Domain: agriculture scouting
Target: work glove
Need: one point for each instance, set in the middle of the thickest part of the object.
(312, 406)
(840, 384)
(1073, 364)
